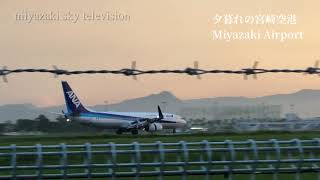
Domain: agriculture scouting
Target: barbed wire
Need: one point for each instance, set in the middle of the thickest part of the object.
(195, 71)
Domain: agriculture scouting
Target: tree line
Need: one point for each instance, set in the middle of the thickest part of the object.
(44, 125)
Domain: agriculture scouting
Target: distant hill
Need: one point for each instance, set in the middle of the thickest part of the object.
(147, 103)
(306, 103)
(13, 112)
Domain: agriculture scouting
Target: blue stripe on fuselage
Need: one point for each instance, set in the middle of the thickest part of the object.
(107, 115)
(116, 116)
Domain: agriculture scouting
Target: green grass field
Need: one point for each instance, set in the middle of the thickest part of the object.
(105, 138)
(125, 139)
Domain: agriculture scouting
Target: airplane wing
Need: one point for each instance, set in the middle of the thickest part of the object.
(66, 115)
(57, 113)
(144, 122)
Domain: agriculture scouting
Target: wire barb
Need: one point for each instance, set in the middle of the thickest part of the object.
(3, 73)
(57, 71)
(128, 72)
(196, 67)
(313, 70)
(195, 71)
(133, 67)
(251, 71)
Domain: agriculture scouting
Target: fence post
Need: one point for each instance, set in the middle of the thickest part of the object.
(39, 162)
(137, 159)
(299, 164)
(312, 156)
(184, 150)
(162, 159)
(256, 157)
(63, 160)
(233, 158)
(113, 159)
(278, 158)
(88, 160)
(13, 148)
(209, 158)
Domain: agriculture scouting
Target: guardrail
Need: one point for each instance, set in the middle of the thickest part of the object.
(226, 159)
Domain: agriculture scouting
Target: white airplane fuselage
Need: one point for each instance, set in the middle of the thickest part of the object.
(118, 120)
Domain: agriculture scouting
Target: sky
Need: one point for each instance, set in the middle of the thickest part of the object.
(158, 35)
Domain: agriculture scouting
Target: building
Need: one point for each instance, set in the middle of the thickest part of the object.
(232, 112)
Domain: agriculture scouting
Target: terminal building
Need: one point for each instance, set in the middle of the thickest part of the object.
(291, 122)
(245, 112)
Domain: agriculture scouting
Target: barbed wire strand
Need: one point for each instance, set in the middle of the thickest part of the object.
(195, 71)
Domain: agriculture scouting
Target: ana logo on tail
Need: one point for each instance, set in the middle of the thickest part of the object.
(74, 98)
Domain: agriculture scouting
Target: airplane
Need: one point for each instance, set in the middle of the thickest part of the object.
(119, 121)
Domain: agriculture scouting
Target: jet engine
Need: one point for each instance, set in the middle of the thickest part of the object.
(154, 127)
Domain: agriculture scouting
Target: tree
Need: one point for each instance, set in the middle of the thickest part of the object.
(2, 127)
(26, 125)
(43, 123)
(9, 126)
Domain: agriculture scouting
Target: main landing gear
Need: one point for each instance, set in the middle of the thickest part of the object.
(174, 131)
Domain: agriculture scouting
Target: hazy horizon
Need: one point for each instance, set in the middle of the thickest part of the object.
(183, 99)
(159, 35)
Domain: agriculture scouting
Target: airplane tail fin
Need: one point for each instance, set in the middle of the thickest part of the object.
(72, 102)
(160, 115)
